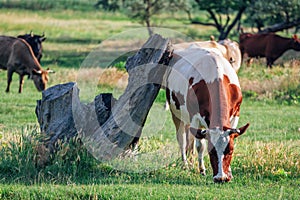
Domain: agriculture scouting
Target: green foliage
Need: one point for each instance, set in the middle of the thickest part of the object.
(264, 13)
(109, 5)
(192, 33)
(46, 4)
(120, 65)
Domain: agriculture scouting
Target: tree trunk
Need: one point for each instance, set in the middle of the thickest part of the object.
(280, 26)
(107, 127)
(55, 112)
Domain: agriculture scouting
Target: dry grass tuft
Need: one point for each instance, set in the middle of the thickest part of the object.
(271, 159)
(113, 78)
(267, 83)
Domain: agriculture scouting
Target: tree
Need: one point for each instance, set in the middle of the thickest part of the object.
(222, 14)
(273, 15)
(109, 5)
(144, 10)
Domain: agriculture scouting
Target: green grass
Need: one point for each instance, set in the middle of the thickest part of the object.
(266, 157)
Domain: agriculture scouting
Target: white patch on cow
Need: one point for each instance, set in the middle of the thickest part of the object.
(198, 63)
(221, 175)
(206, 64)
(234, 120)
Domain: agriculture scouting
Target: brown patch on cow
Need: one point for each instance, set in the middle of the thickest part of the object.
(213, 157)
(228, 156)
(198, 100)
(178, 98)
(234, 96)
(224, 97)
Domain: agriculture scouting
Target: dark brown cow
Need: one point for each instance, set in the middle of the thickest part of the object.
(35, 42)
(205, 97)
(16, 56)
(267, 45)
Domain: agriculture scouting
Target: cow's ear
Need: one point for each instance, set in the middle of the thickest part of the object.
(198, 133)
(237, 132)
(295, 37)
(243, 129)
(50, 70)
(42, 39)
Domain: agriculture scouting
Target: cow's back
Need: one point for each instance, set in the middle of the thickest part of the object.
(6, 44)
(194, 67)
(255, 44)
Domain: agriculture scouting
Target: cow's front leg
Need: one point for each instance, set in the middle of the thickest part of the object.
(21, 83)
(201, 146)
(9, 78)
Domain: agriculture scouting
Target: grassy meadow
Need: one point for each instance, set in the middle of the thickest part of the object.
(266, 158)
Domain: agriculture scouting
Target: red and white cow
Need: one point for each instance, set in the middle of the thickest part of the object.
(205, 97)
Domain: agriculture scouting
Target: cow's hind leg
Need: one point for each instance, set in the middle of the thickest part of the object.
(21, 83)
(181, 138)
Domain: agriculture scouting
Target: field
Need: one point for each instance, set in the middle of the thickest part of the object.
(266, 158)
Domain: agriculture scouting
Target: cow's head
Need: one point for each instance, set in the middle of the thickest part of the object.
(220, 149)
(296, 43)
(233, 53)
(35, 42)
(40, 78)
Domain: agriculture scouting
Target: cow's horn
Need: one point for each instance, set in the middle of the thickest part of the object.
(50, 71)
(37, 71)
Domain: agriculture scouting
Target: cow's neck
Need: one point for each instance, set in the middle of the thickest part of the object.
(285, 45)
(219, 114)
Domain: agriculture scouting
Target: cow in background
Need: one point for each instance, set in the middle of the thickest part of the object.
(267, 45)
(228, 48)
(205, 97)
(35, 42)
(17, 56)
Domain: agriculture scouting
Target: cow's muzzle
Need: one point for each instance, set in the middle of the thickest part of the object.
(223, 178)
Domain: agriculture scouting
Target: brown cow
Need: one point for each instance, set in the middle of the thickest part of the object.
(267, 45)
(16, 56)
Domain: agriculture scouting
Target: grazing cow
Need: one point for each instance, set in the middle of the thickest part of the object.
(17, 56)
(267, 45)
(205, 97)
(35, 41)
